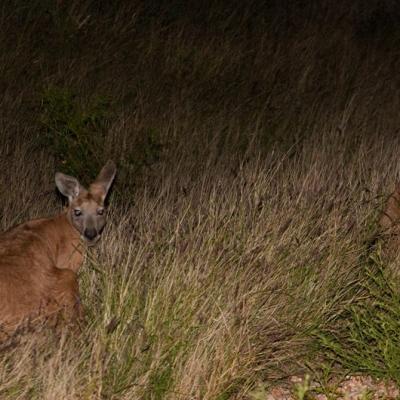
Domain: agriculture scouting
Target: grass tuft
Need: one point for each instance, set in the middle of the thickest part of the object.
(366, 338)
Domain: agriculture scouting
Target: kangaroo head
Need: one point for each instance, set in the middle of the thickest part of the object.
(86, 210)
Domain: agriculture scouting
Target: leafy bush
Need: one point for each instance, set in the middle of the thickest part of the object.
(74, 133)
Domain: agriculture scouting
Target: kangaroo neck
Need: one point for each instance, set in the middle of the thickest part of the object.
(70, 247)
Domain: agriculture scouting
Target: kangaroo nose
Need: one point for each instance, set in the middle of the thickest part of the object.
(90, 233)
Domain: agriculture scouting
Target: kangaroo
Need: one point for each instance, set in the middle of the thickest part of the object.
(391, 214)
(39, 259)
(389, 223)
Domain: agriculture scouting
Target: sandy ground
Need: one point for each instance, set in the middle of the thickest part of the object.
(351, 388)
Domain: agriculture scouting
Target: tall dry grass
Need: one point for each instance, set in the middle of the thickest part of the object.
(247, 230)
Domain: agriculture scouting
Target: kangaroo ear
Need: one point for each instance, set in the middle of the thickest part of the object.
(68, 185)
(102, 184)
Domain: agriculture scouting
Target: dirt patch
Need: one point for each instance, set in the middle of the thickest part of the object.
(351, 388)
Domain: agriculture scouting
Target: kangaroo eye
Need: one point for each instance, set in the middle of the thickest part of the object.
(100, 211)
(77, 212)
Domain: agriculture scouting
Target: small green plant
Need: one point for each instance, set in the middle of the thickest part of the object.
(324, 376)
(367, 395)
(74, 133)
(302, 389)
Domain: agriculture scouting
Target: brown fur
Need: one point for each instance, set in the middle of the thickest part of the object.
(39, 259)
(389, 223)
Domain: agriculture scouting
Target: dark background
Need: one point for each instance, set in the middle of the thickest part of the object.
(151, 82)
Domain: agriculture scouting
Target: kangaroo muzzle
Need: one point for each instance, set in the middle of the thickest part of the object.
(90, 233)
